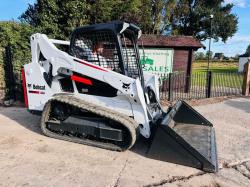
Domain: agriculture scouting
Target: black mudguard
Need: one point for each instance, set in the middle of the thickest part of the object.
(185, 137)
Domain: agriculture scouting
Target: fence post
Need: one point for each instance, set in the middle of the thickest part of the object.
(209, 84)
(170, 87)
(246, 79)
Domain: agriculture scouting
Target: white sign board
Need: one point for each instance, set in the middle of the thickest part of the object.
(242, 62)
(157, 61)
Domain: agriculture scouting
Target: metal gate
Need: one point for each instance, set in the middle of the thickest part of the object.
(10, 79)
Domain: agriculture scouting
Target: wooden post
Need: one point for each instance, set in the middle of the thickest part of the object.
(189, 70)
(246, 79)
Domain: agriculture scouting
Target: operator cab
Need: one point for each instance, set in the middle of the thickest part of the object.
(110, 45)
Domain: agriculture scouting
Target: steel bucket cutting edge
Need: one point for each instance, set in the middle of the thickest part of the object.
(185, 137)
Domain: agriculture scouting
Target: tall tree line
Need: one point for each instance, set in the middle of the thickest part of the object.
(175, 17)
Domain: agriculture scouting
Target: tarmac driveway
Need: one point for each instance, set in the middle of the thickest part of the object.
(27, 158)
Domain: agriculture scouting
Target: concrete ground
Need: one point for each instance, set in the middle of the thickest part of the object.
(27, 158)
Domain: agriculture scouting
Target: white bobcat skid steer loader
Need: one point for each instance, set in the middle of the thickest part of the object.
(96, 94)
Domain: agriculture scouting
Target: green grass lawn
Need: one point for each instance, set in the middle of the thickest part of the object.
(224, 74)
(219, 67)
(231, 80)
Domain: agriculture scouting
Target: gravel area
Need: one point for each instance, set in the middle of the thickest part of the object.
(27, 158)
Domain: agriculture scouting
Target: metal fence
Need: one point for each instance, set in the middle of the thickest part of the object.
(200, 85)
(2, 90)
(2, 82)
(15, 90)
(11, 82)
(174, 86)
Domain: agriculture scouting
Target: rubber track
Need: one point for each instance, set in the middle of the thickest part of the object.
(125, 120)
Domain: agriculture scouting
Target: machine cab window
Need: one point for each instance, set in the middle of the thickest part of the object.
(98, 48)
(112, 48)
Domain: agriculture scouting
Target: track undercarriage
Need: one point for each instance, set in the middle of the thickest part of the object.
(68, 118)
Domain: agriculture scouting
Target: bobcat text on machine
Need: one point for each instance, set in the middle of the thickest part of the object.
(96, 94)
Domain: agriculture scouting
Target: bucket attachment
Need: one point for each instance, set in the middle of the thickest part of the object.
(185, 137)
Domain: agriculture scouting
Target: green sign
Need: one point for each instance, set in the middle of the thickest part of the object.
(158, 61)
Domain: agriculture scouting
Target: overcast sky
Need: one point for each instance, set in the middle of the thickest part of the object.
(12, 9)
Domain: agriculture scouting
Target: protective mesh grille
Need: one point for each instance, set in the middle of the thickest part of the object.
(97, 48)
(129, 56)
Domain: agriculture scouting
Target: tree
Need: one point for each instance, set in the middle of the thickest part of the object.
(209, 54)
(17, 37)
(59, 18)
(104, 10)
(183, 17)
(248, 50)
(56, 18)
(151, 15)
(191, 17)
(199, 56)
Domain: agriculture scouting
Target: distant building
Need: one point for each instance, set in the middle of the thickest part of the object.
(243, 59)
(218, 56)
